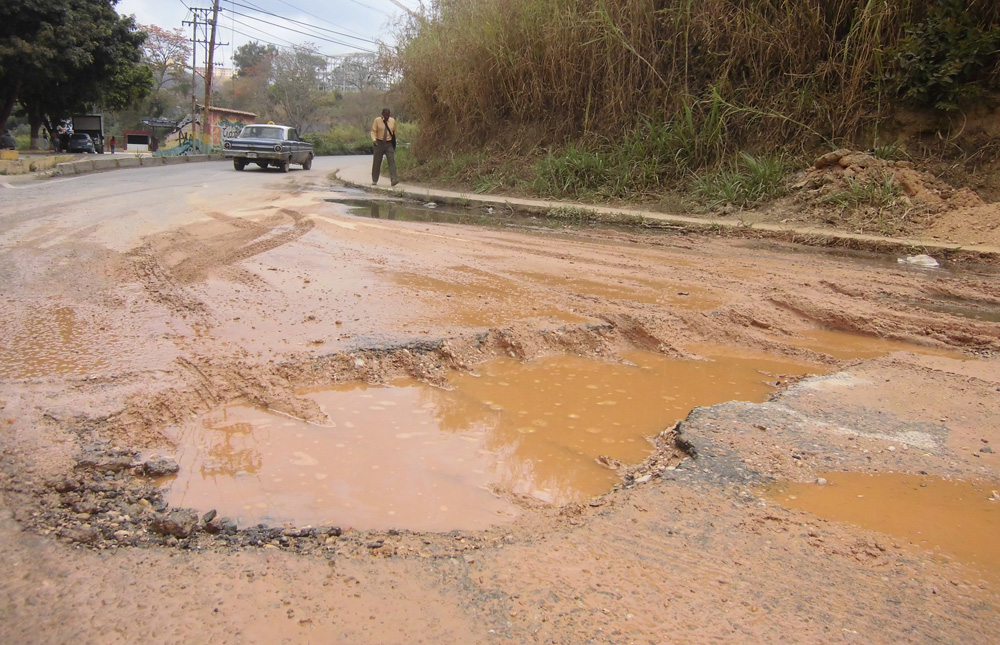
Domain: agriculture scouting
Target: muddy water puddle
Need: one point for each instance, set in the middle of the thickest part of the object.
(49, 341)
(972, 309)
(412, 456)
(949, 517)
(849, 346)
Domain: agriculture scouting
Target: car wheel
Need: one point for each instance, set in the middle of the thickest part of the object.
(239, 164)
(308, 163)
(283, 165)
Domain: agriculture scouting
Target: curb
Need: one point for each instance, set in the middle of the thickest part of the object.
(808, 236)
(85, 166)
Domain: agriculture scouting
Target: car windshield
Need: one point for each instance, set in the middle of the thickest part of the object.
(262, 132)
(81, 137)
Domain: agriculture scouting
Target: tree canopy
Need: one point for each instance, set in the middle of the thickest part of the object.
(62, 56)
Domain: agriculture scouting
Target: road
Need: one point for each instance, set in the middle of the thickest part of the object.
(141, 300)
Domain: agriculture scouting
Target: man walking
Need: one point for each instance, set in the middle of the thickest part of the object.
(384, 144)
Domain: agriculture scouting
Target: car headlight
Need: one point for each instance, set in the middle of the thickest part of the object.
(277, 148)
(227, 145)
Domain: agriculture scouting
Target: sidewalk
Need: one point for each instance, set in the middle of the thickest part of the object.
(356, 171)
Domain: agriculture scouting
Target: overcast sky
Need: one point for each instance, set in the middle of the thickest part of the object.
(333, 26)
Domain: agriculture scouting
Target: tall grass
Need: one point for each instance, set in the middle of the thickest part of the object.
(786, 72)
(745, 182)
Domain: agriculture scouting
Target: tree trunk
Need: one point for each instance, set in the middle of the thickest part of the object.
(7, 99)
(35, 119)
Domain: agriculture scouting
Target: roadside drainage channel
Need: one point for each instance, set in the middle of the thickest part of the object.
(484, 215)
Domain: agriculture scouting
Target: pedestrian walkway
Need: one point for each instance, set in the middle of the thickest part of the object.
(356, 171)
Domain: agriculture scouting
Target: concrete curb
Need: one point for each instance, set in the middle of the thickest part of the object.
(101, 164)
(810, 236)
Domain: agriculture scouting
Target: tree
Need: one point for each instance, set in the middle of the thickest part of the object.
(248, 88)
(356, 72)
(297, 87)
(167, 52)
(28, 31)
(62, 56)
(254, 59)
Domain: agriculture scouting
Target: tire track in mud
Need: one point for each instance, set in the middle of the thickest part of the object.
(165, 282)
(160, 284)
(251, 239)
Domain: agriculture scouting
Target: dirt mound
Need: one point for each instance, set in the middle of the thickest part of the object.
(859, 192)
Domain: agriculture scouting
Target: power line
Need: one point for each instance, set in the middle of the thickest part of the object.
(290, 45)
(253, 7)
(304, 33)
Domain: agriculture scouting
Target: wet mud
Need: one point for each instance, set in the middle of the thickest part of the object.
(291, 421)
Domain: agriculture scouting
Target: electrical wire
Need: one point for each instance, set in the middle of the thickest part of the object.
(253, 7)
(297, 31)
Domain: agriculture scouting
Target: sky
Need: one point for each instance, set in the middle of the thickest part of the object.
(334, 27)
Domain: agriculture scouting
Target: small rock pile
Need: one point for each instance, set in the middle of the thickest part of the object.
(833, 173)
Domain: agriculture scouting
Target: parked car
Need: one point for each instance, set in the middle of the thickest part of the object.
(80, 142)
(268, 145)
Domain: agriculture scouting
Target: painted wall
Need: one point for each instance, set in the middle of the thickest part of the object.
(222, 124)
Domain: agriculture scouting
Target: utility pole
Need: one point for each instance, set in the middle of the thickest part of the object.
(194, 66)
(206, 130)
(199, 18)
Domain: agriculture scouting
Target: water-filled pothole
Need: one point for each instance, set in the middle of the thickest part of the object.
(412, 456)
(972, 309)
(849, 346)
(51, 341)
(956, 517)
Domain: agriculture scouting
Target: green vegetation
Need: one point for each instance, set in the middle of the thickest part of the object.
(631, 99)
(873, 204)
(878, 191)
(354, 140)
(745, 182)
(340, 141)
(949, 58)
(58, 57)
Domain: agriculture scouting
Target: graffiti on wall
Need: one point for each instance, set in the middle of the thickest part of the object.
(230, 129)
(220, 127)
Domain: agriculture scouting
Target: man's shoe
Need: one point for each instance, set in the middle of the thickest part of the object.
(395, 182)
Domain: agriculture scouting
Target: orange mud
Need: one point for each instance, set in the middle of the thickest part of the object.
(419, 431)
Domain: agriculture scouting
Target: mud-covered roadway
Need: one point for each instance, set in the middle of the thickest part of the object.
(137, 299)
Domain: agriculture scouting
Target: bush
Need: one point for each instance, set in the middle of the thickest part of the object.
(345, 140)
(948, 58)
(340, 141)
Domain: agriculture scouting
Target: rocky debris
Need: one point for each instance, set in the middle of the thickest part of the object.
(668, 454)
(216, 525)
(80, 534)
(106, 463)
(159, 467)
(179, 523)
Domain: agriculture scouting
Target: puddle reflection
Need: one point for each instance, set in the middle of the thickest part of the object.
(49, 341)
(422, 458)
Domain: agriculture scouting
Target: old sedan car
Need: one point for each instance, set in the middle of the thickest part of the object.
(268, 145)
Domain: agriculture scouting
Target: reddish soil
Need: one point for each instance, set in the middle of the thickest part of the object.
(172, 312)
